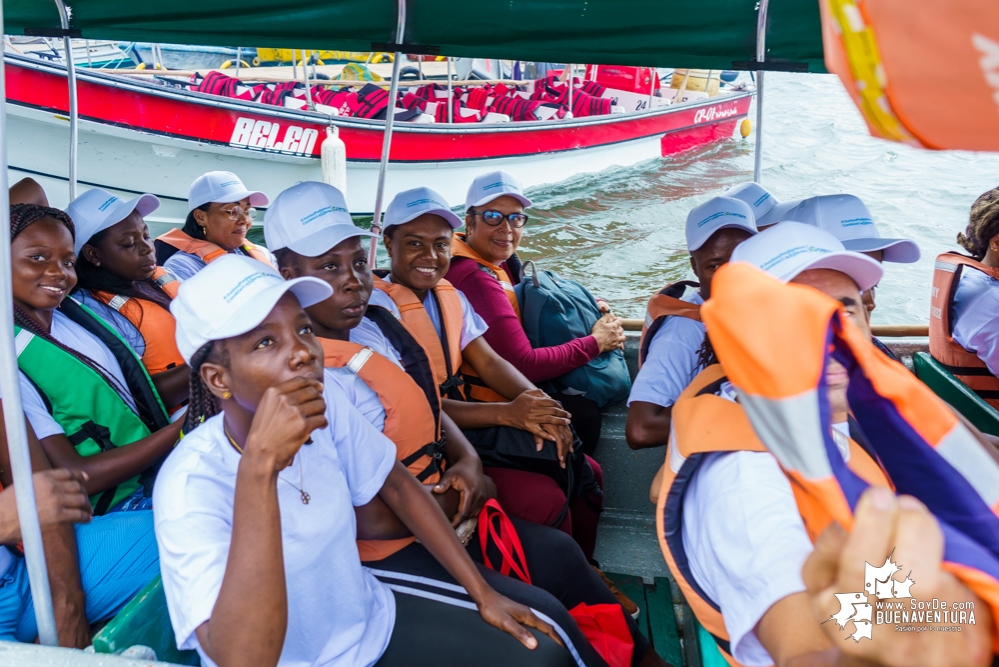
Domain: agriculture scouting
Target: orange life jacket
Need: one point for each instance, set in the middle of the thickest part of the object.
(666, 303)
(965, 365)
(206, 250)
(476, 389)
(703, 423)
(774, 341)
(153, 321)
(409, 422)
(415, 318)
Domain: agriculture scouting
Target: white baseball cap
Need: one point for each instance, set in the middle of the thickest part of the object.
(495, 184)
(714, 214)
(309, 218)
(411, 204)
(754, 194)
(776, 214)
(848, 219)
(223, 187)
(231, 296)
(789, 248)
(96, 210)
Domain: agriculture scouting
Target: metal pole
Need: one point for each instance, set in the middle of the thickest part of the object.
(73, 115)
(652, 85)
(761, 55)
(10, 386)
(569, 68)
(376, 221)
(450, 94)
(305, 77)
(239, 57)
(294, 65)
(90, 62)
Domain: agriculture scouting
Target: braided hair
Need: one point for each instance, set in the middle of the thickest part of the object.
(203, 403)
(706, 354)
(97, 279)
(21, 216)
(983, 224)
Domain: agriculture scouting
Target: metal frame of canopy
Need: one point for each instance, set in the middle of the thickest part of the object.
(9, 381)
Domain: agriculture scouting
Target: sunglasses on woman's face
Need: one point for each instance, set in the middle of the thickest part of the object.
(237, 213)
(495, 218)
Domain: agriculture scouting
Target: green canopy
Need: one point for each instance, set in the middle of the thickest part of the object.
(710, 34)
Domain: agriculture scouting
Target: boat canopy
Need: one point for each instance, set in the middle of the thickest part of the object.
(709, 34)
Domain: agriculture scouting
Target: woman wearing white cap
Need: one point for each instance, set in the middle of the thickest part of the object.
(255, 508)
(86, 394)
(118, 279)
(485, 267)
(221, 211)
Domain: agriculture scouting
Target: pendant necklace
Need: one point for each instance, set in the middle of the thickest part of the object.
(301, 469)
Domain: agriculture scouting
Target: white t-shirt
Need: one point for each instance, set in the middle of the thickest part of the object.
(339, 614)
(183, 265)
(75, 337)
(671, 364)
(472, 326)
(360, 394)
(745, 540)
(976, 316)
(368, 333)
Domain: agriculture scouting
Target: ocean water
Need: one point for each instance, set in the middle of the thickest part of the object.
(620, 232)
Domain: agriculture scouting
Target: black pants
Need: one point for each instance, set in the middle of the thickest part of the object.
(561, 576)
(428, 633)
(586, 419)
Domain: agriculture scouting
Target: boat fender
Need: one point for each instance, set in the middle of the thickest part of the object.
(333, 157)
(745, 127)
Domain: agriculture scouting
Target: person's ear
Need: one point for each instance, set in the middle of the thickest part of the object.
(994, 243)
(693, 265)
(288, 272)
(387, 242)
(216, 378)
(90, 254)
(200, 217)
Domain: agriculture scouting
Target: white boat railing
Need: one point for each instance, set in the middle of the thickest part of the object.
(73, 111)
(10, 387)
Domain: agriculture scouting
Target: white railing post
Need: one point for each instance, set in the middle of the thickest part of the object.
(73, 113)
(761, 55)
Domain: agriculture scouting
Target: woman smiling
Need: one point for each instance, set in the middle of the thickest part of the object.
(221, 213)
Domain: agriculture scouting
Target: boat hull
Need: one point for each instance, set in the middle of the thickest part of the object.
(137, 137)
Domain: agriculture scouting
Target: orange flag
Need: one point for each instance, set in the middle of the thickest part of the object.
(922, 72)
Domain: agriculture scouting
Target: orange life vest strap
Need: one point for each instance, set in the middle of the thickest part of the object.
(666, 303)
(166, 282)
(964, 365)
(460, 248)
(206, 250)
(415, 317)
(156, 325)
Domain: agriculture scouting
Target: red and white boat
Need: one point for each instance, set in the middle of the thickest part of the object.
(141, 136)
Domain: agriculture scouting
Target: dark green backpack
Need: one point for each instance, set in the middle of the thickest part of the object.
(555, 311)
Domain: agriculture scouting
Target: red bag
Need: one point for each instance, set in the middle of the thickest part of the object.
(607, 631)
(494, 523)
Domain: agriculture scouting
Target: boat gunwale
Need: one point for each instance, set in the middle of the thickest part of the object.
(96, 77)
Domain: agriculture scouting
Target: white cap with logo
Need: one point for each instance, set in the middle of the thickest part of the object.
(789, 248)
(96, 210)
(223, 187)
(754, 194)
(231, 296)
(411, 204)
(487, 187)
(715, 214)
(310, 218)
(847, 218)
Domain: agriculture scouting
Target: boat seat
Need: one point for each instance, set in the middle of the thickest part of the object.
(145, 621)
(956, 393)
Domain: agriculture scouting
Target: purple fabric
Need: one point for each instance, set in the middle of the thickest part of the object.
(506, 335)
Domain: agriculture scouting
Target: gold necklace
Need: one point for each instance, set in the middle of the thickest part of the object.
(301, 469)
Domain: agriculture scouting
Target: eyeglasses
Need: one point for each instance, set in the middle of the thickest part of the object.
(495, 218)
(237, 213)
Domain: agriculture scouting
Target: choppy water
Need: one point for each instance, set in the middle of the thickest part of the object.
(621, 232)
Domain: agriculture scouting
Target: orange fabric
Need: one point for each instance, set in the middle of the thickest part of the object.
(409, 421)
(661, 306)
(708, 423)
(415, 318)
(207, 251)
(156, 325)
(943, 347)
(461, 249)
(166, 282)
(927, 77)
